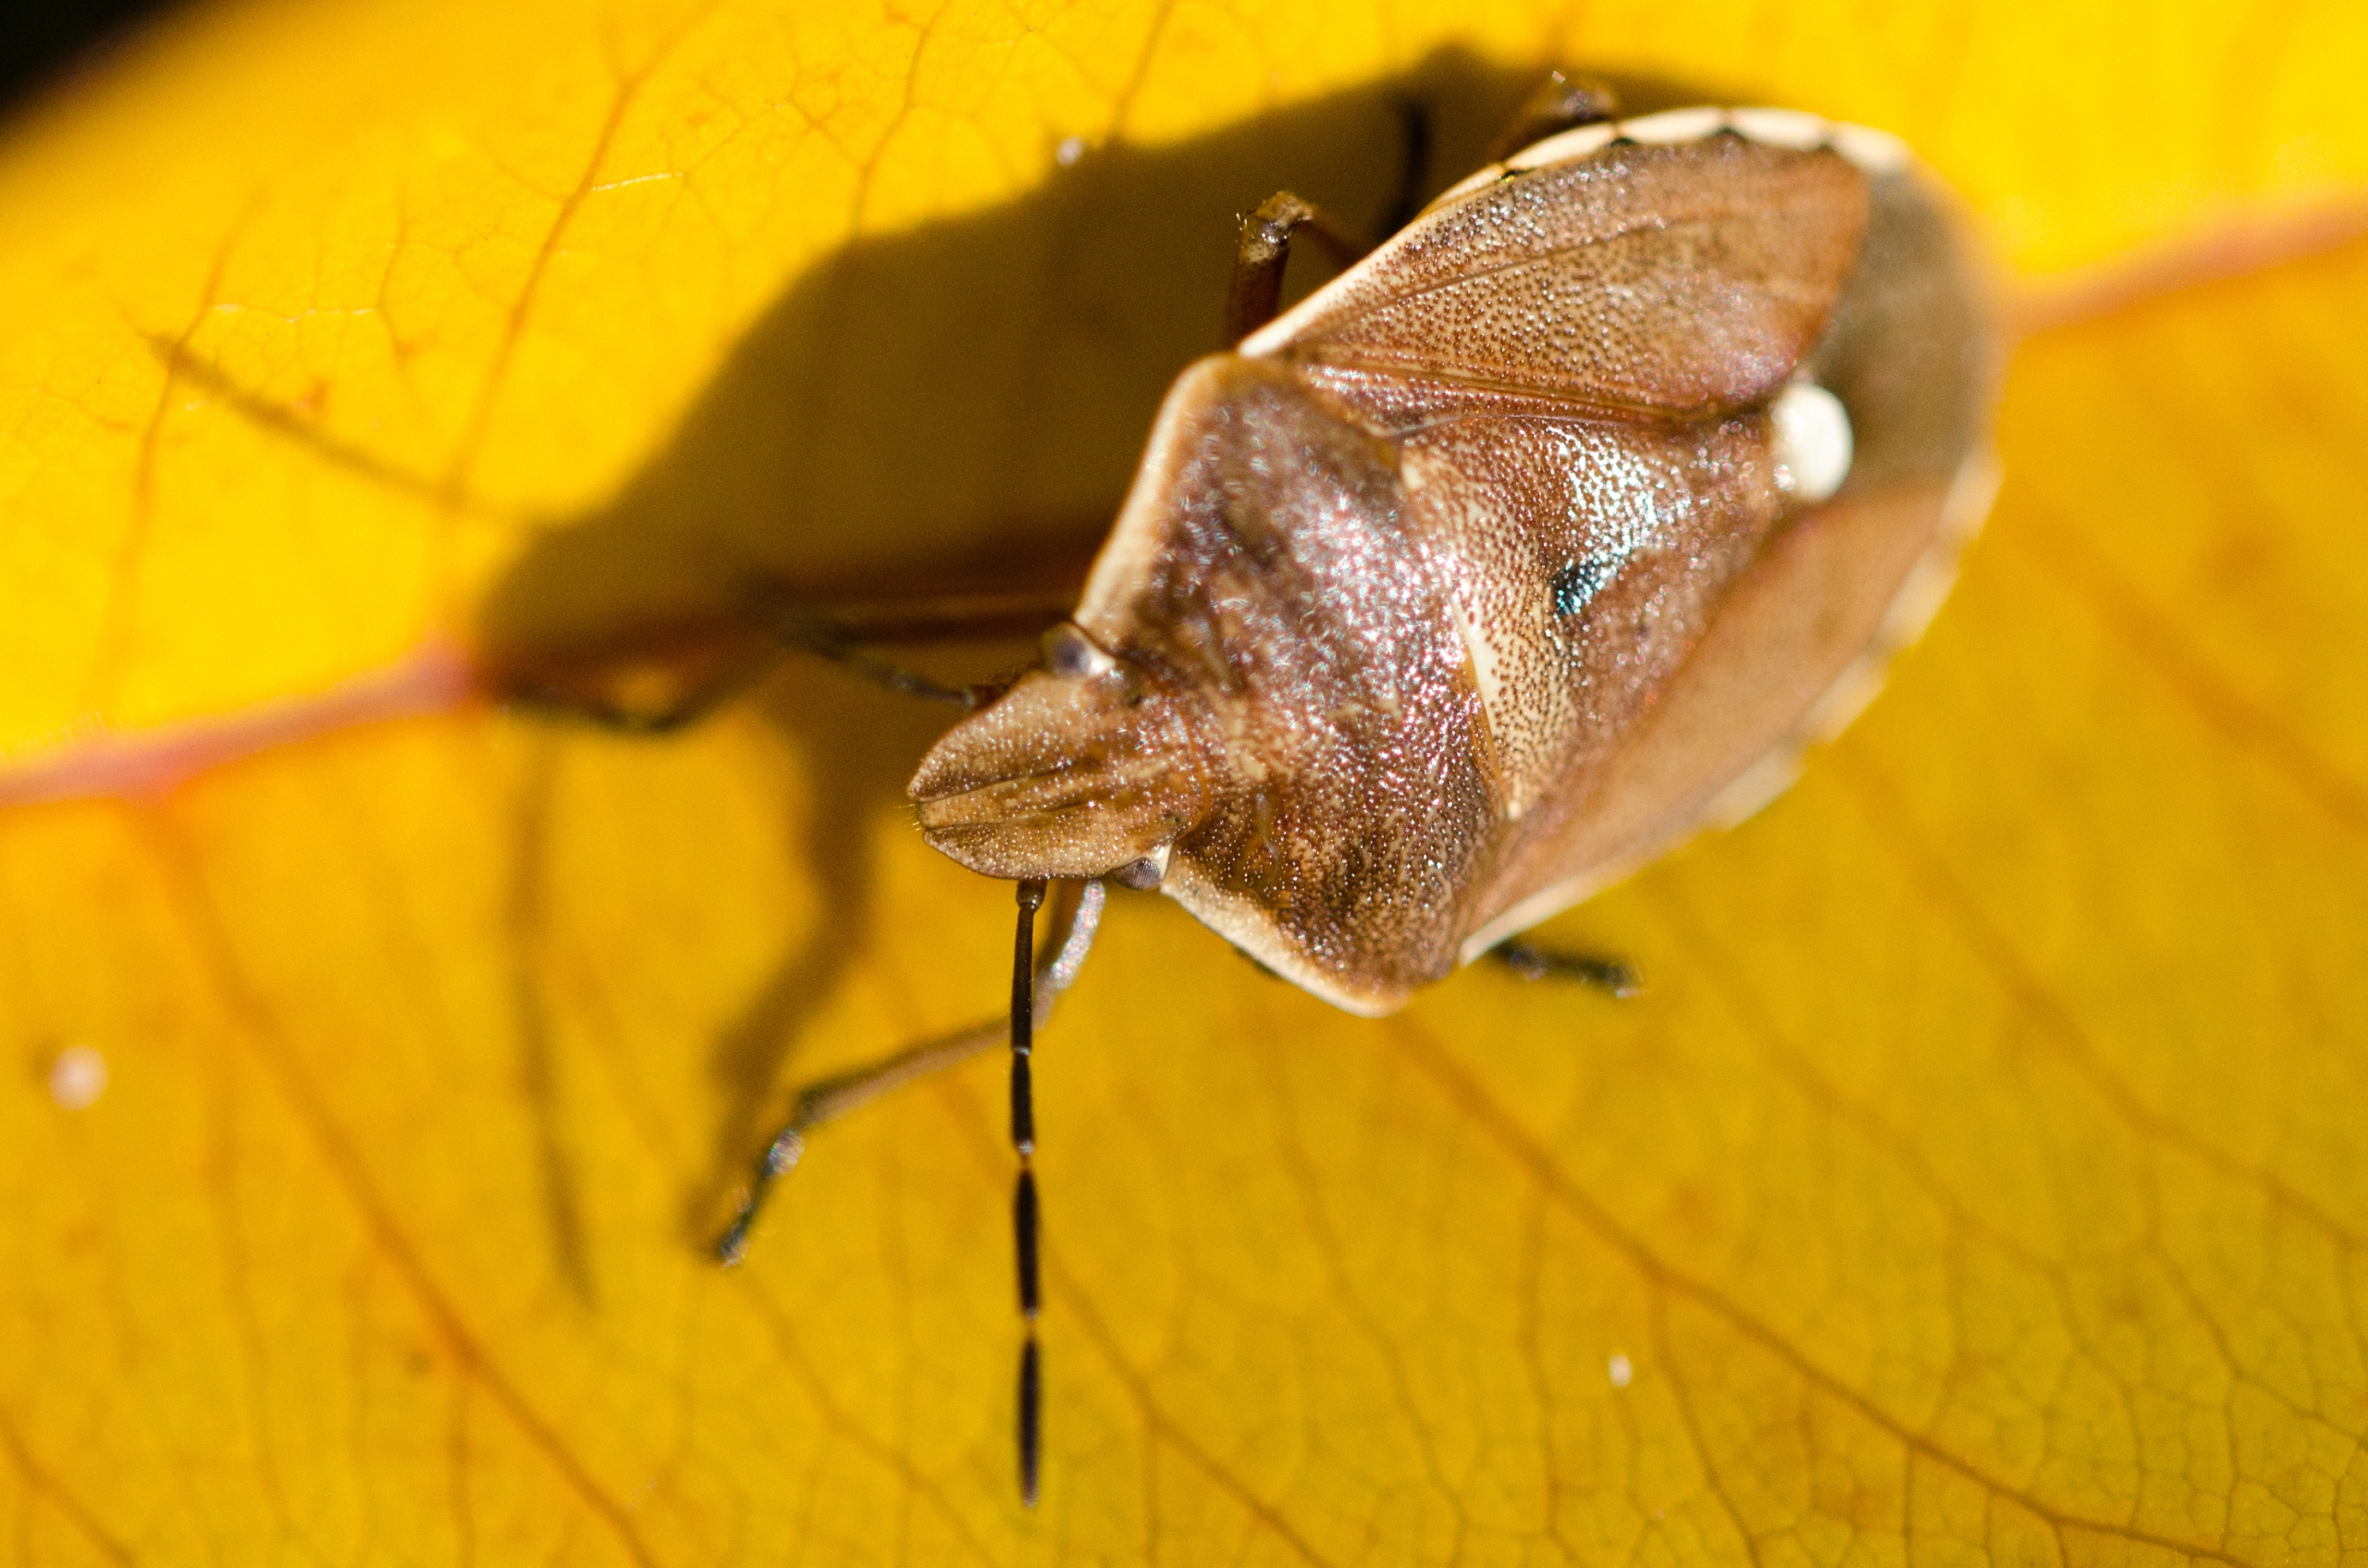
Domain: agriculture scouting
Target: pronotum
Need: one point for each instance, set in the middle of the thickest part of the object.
(1545, 535)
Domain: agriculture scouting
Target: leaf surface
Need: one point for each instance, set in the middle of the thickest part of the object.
(1977, 1180)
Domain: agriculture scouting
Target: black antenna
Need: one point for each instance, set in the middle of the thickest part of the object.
(1023, 1200)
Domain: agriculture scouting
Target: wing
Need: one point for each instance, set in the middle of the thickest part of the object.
(1581, 561)
(1791, 640)
(1686, 279)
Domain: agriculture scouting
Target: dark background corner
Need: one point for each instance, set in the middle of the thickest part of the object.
(42, 40)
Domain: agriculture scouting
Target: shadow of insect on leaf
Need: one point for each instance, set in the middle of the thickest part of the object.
(955, 410)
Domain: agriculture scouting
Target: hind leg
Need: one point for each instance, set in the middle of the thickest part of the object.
(657, 690)
(1614, 975)
(1560, 104)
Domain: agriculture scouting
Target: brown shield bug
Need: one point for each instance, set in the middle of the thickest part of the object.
(1546, 534)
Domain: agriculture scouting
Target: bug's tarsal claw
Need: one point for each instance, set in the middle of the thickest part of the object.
(1031, 1421)
(733, 1245)
(781, 1157)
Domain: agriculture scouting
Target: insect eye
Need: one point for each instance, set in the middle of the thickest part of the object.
(1145, 873)
(1071, 655)
(1578, 583)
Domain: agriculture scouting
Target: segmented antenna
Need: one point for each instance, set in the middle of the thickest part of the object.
(1023, 1200)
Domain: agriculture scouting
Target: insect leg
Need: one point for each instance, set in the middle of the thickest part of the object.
(1076, 911)
(1535, 963)
(685, 702)
(1023, 1197)
(847, 632)
(809, 631)
(600, 696)
(1559, 103)
(1266, 248)
(666, 685)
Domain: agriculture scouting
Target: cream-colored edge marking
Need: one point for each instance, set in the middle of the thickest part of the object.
(1876, 151)
(1916, 600)
(1251, 926)
(1127, 555)
(1482, 656)
(1811, 442)
(1919, 597)
(1562, 147)
(1488, 677)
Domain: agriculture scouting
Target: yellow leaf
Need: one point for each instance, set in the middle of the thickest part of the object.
(1978, 1179)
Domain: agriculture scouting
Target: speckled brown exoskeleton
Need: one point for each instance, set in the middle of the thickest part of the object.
(1546, 534)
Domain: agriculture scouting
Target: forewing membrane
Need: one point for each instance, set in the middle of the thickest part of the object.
(1684, 280)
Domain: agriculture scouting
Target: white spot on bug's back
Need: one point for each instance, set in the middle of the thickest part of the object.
(1563, 146)
(78, 1078)
(1877, 151)
(1673, 125)
(1071, 149)
(1809, 443)
(1622, 1373)
(1781, 128)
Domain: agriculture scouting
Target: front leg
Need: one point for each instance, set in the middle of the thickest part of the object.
(1075, 915)
(668, 688)
(1266, 248)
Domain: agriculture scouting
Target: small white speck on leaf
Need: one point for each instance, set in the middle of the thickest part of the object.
(78, 1078)
(1071, 149)
(1622, 1373)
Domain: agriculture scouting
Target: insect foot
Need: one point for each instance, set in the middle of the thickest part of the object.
(1532, 963)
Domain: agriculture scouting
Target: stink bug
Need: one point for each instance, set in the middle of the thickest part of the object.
(1542, 537)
